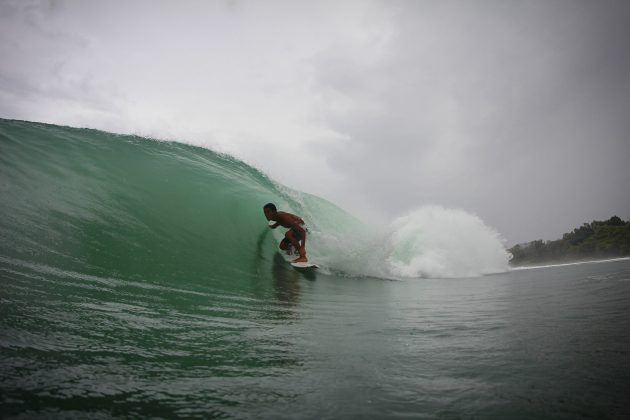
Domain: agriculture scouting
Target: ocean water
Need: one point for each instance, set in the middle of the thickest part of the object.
(139, 279)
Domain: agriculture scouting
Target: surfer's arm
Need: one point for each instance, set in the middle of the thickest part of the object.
(275, 225)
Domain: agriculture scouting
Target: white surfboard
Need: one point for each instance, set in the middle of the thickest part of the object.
(304, 265)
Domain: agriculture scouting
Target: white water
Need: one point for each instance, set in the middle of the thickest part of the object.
(440, 242)
(431, 241)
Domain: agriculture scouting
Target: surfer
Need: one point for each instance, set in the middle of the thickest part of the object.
(294, 235)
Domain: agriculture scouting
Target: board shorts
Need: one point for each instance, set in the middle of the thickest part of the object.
(296, 234)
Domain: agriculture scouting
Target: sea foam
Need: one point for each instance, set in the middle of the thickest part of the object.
(431, 241)
(435, 241)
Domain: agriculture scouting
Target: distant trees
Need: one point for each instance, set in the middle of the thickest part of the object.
(595, 240)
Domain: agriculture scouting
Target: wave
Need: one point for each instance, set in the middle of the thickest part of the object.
(133, 208)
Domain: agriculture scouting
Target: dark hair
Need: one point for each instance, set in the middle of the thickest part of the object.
(270, 206)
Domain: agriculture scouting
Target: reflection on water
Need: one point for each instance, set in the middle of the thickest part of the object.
(286, 281)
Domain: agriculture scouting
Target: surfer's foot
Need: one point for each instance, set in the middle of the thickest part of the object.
(301, 259)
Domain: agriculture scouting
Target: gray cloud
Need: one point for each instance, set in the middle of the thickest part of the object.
(516, 111)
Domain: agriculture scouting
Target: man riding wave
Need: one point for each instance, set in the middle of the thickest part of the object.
(296, 235)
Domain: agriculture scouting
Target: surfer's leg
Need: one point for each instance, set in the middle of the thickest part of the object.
(284, 245)
(290, 237)
(295, 238)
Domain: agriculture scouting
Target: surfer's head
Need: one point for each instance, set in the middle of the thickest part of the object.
(270, 210)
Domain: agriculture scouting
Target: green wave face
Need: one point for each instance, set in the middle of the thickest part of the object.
(125, 207)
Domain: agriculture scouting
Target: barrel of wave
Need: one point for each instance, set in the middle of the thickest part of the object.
(334, 236)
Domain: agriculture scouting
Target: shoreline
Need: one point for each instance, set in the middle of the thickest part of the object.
(530, 267)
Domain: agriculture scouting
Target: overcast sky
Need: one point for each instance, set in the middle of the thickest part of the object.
(517, 111)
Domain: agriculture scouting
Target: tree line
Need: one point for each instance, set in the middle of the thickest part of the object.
(595, 240)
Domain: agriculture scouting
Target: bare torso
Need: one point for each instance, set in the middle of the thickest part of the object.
(288, 220)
